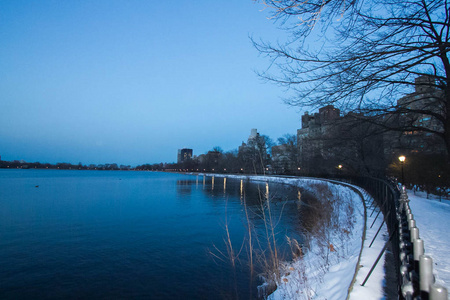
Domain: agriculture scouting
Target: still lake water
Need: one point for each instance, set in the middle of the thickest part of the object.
(130, 235)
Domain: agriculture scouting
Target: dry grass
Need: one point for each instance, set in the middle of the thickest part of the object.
(327, 219)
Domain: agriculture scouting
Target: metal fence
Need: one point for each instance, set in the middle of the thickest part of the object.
(414, 270)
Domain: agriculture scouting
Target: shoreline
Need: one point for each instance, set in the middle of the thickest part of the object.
(327, 283)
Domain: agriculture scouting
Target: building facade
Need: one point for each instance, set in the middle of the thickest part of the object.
(366, 143)
(184, 154)
(314, 135)
(416, 116)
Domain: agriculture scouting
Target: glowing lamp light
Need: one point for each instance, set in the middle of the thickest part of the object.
(402, 159)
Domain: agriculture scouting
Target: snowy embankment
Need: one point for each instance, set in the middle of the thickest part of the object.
(334, 264)
(433, 220)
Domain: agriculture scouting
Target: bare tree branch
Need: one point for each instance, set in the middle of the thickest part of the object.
(372, 52)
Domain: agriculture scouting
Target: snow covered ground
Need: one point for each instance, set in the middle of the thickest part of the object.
(317, 276)
(307, 278)
(324, 274)
(373, 288)
(433, 220)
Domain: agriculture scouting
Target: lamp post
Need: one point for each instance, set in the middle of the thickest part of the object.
(440, 188)
(402, 159)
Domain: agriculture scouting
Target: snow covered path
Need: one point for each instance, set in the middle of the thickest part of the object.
(373, 288)
(433, 220)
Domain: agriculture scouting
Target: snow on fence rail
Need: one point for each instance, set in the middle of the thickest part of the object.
(414, 269)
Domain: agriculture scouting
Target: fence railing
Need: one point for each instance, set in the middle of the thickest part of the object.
(414, 270)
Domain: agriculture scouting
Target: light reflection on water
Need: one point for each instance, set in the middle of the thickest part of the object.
(118, 234)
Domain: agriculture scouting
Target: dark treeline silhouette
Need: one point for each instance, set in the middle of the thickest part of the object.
(339, 156)
(253, 157)
(62, 166)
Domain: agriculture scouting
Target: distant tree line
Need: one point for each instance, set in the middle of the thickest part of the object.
(251, 158)
(352, 155)
(261, 155)
(16, 164)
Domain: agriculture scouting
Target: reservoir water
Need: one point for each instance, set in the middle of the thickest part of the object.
(134, 235)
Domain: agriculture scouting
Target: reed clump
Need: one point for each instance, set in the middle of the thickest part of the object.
(327, 222)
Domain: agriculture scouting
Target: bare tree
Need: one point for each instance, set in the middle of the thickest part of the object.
(285, 155)
(371, 53)
(255, 155)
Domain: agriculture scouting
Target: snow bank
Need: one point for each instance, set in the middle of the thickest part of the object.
(328, 273)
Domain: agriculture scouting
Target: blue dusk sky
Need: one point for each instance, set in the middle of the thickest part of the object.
(131, 82)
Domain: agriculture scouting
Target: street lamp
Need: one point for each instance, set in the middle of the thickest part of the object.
(340, 169)
(440, 188)
(402, 159)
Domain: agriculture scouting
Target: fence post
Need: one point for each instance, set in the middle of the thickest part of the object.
(438, 292)
(403, 200)
(418, 250)
(378, 231)
(414, 270)
(426, 275)
(377, 260)
(414, 234)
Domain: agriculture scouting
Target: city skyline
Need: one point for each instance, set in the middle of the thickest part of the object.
(132, 82)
